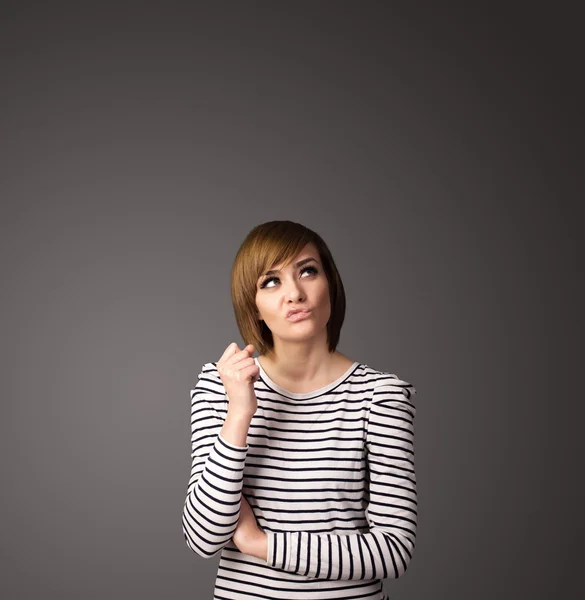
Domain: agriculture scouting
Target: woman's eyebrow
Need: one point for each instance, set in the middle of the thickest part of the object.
(296, 265)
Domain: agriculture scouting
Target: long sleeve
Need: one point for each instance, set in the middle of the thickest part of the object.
(386, 549)
(212, 506)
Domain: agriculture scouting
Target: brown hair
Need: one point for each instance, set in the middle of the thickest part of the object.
(266, 245)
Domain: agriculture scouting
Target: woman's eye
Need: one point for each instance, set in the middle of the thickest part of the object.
(307, 269)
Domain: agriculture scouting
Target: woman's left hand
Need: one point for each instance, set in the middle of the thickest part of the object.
(248, 537)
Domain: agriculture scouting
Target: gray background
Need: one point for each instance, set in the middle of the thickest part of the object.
(437, 150)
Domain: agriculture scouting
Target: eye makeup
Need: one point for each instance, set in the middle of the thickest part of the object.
(309, 268)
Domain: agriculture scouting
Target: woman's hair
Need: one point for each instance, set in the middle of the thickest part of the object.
(265, 246)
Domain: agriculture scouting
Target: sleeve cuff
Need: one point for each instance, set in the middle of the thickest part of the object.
(230, 446)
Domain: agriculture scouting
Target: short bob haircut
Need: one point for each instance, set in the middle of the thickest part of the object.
(268, 245)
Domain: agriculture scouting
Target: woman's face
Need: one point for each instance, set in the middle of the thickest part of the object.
(295, 287)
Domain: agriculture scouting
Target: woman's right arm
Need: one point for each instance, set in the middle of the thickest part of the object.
(218, 453)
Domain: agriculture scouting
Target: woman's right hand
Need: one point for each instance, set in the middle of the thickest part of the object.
(238, 373)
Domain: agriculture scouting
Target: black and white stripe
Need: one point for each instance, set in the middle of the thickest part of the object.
(330, 476)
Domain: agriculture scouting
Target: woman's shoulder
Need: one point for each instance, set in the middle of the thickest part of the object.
(209, 369)
(387, 381)
(208, 379)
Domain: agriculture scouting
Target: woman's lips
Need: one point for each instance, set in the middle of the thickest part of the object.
(299, 316)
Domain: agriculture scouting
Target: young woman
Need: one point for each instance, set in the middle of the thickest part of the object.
(303, 472)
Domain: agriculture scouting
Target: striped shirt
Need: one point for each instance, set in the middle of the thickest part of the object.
(329, 475)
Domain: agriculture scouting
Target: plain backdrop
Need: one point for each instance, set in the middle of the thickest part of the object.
(438, 150)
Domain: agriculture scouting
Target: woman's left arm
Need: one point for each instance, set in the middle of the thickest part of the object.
(386, 550)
